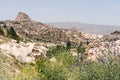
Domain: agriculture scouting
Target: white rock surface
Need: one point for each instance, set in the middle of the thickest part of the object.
(21, 52)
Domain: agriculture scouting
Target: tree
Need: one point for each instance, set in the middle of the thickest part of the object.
(87, 42)
(12, 34)
(68, 46)
(1, 31)
(80, 50)
(4, 26)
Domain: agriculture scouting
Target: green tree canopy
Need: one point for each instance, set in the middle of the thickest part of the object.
(12, 34)
(1, 31)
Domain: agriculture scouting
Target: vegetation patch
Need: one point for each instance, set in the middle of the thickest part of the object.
(12, 34)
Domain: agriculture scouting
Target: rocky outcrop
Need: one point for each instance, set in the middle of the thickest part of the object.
(106, 47)
(24, 52)
(103, 51)
(22, 17)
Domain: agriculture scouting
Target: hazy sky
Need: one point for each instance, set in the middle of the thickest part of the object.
(87, 11)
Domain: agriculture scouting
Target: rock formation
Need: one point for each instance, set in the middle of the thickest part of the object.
(23, 52)
(22, 17)
(38, 31)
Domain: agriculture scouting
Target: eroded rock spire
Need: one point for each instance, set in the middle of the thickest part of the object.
(22, 17)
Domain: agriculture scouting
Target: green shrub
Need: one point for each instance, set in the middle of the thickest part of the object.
(16, 22)
(80, 48)
(68, 46)
(49, 71)
(1, 31)
(28, 72)
(12, 34)
(1, 22)
(56, 51)
(96, 71)
(80, 52)
(4, 26)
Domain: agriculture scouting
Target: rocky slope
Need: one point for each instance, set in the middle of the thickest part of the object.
(107, 47)
(26, 27)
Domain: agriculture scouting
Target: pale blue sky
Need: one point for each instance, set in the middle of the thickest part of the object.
(87, 11)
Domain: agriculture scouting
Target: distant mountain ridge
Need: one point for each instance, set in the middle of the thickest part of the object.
(84, 27)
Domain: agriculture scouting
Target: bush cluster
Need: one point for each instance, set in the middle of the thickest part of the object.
(1, 31)
(12, 34)
(67, 68)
